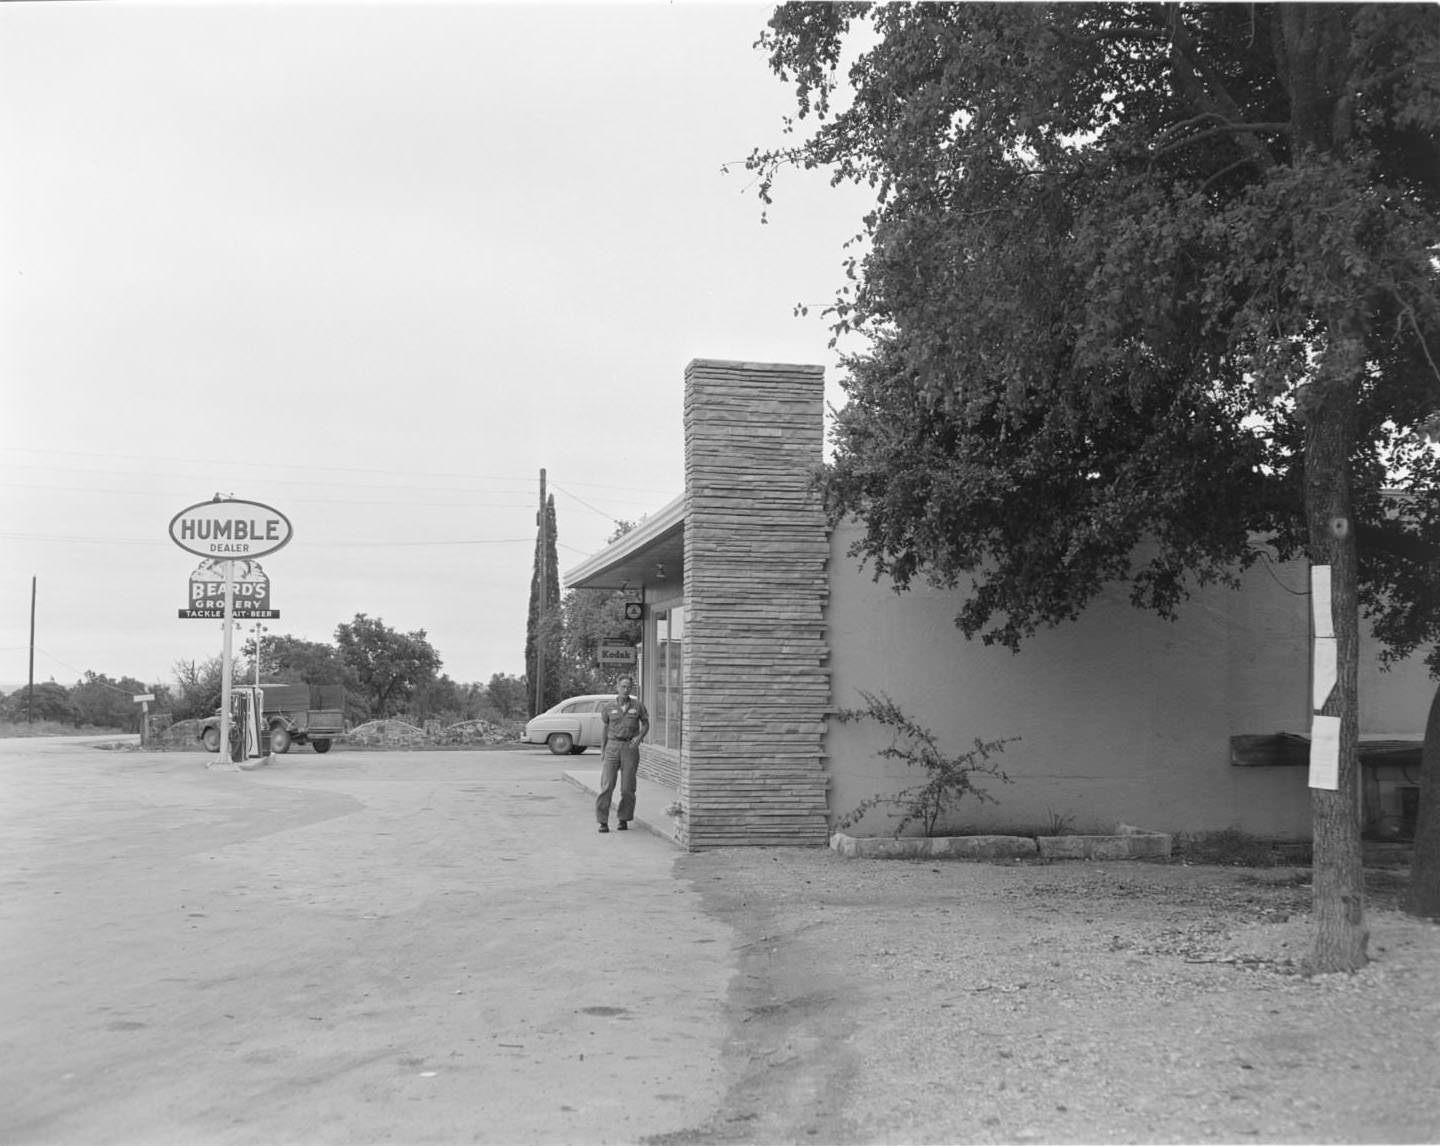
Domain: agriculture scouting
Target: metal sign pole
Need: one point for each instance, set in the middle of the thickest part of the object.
(225, 674)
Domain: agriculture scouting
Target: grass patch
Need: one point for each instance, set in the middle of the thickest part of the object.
(10, 729)
(1229, 847)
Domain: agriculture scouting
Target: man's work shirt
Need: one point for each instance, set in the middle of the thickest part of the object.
(622, 719)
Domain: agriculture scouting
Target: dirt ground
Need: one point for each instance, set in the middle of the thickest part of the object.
(923, 1001)
(436, 947)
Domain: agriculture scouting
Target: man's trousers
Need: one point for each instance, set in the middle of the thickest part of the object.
(621, 759)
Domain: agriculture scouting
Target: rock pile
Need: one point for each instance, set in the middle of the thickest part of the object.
(474, 732)
(390, 733)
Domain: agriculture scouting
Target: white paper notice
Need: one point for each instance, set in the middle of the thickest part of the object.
(1324, 677)
(1320, 600)
(1325, 753)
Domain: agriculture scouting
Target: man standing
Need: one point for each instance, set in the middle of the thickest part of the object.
(623, 723)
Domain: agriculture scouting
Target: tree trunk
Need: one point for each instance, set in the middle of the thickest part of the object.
(1339, 890)
(1422, 897)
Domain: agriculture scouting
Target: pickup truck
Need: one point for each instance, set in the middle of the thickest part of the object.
(293, 714)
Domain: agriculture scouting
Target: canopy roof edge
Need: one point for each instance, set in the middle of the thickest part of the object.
(651, 553)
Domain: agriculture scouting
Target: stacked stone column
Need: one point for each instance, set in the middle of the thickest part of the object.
(757, 682)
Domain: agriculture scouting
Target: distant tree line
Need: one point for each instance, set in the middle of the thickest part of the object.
(94, 701)
(386, 674)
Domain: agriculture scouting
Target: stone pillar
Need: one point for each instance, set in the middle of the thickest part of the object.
(757, 681)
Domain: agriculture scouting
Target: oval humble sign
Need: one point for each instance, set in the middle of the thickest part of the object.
(227, 529)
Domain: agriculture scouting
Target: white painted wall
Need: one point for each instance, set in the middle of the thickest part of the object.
(1122, 716)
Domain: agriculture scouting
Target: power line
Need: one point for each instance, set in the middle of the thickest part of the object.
(594, 509)
(32, 487)
(161, 542)
(208, 465)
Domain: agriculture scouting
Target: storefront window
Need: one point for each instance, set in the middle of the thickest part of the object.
(669, 676)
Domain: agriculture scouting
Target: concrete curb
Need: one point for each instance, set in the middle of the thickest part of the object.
(907, 847)
(1138, 845)
(651, 800)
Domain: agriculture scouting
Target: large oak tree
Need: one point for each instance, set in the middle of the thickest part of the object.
(1141, 273)
(387, 666)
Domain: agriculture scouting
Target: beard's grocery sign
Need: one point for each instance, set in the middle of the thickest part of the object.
(249, 592)
(230, 529)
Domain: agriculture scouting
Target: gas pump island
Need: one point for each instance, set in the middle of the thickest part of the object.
(230, 535)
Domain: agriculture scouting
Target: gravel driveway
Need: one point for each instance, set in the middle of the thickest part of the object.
(920, 1001)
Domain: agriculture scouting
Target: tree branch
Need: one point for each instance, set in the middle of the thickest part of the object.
(1224, 129)
(1409, 313)
(1208, 94)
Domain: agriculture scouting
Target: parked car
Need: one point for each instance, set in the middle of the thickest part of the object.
(570, 727)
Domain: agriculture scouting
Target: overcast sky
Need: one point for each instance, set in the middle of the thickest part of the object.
(374, 266)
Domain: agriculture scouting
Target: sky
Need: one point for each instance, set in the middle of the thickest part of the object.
(374, 266)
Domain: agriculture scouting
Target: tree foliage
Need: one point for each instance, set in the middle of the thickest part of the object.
(196, 695)
(507, 696)
(47, 701)
(1142, 282)
(447, 701)
(590, 616)
(545, 625)
(388, 666)
(293, 660)
(108, 703)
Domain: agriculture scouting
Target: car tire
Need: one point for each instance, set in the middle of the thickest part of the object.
(211, 739)
(576, 749)
(321, 746)
(561, 743)
(279, 741)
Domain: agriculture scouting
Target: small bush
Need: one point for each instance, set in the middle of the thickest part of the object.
(951, 778)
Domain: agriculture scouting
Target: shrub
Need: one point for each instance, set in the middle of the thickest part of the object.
(1228, 847)
(951, 778)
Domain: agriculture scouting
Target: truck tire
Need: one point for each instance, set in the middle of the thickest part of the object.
(561, 743)
(279, 741)
(211, 739)
(322, 745)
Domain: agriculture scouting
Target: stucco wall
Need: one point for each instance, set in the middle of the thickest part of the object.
(1122, 716)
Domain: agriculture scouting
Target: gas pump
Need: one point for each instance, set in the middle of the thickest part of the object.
(247, 739)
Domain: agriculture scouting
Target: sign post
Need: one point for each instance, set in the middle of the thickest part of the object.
(226, 671)
(224, 529)
(143, 700)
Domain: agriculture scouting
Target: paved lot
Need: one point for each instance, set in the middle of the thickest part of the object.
(359, 947)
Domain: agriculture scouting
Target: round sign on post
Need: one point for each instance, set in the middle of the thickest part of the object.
(230, 529)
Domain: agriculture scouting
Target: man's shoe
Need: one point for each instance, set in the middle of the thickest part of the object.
(624, 825)
(604, 827)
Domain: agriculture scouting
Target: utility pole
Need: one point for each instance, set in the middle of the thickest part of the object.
(30, 695)
(541, 521)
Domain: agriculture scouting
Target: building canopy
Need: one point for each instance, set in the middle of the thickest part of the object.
(650, 556)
